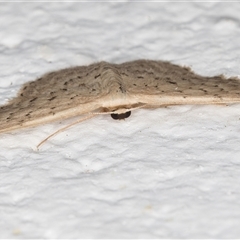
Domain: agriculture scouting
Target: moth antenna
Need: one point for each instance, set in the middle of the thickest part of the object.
(64, 128)
(92, 114)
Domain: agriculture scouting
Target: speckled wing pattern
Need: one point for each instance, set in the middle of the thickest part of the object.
(56, 95)
(163, 83)
(105, 87)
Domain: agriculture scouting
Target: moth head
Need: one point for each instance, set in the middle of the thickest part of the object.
(120, 116)
(122, 111)
(118, 112)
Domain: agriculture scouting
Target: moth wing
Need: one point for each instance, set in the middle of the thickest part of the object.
(159, 83)
(57, 95)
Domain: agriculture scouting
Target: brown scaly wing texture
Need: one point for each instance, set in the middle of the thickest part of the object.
(163, 83)
(56, 95)
(75, 91)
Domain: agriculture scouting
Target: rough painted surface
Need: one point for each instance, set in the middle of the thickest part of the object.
(171, 172)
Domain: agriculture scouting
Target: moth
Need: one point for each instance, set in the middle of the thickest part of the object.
(115, 89)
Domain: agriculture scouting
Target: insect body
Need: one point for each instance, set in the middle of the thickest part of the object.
(115, 89)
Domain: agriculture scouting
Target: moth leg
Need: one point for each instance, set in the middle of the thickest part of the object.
(222, 104)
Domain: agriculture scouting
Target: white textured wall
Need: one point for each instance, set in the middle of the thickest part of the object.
(165, 173)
